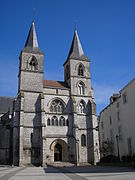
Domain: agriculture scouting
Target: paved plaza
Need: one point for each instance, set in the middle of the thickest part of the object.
(66, 173)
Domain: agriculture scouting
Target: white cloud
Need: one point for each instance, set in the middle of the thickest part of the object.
(102, 93)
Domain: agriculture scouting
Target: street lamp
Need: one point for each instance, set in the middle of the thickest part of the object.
(117, 139)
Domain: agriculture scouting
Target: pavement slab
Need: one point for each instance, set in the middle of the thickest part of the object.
(66, 173)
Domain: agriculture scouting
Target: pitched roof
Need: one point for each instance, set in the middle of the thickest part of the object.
(55, 84)
(32, 42)
(76, 50)
(6, 104)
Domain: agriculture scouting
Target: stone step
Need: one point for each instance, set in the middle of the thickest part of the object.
(61, 164)
(84, 164)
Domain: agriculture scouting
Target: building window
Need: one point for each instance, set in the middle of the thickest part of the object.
(129, 146)
(80, 70)
(110, 120)
(81, 88)
(118, 116)
(124, 96)
(111, 136)
(117, 105)
(102, 125)
(33, 65)
(52, 122)
(62, 121)
(120, 133)
(82, 107)
(83, 140)
(57, 106)
(56, 122)
(48, 121)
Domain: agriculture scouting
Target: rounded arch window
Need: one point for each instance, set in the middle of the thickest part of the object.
(81, 88)
(82, 107)
(33, 65)
(80, 70)
(83, 140)
(57, 106)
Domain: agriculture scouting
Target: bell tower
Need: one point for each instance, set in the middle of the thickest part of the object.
(77, 68)
(31, 64)
(29, 110)
(84, 120)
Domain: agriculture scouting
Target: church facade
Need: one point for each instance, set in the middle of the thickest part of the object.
(53, 120)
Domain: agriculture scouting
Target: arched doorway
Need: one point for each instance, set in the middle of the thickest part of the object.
(58, 152)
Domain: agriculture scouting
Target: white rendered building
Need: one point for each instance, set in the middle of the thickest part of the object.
(117, 122)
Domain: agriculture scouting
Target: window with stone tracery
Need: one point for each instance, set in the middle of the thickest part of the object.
(80, 70)
(54, 121)
(33, 65)
(81, 88)
(57, 106)
(62, 121)
(82, 107)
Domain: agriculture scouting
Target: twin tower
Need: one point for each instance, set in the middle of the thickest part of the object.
(54, 121)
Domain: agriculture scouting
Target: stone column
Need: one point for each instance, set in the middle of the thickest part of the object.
(75, 130)
(21, 128)
(43, 126)
(96, 152)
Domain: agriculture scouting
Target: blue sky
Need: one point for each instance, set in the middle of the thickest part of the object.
(107, 33)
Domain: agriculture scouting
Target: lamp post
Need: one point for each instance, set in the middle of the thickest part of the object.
(117, 139)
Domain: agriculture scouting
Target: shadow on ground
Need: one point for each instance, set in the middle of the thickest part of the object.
(90, 169)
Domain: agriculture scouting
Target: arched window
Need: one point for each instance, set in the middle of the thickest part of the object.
(82, 107)
(83, 140)
(56, 122)
(33, 65)
(80, 70)
(52, 122)
(57, 106)
(81, 88)
(62, 121)
(48, 121)
(54, 119)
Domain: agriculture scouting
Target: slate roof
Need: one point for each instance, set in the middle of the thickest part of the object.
(55, 84)
(6, 103)
(76, 51)
(32, 42)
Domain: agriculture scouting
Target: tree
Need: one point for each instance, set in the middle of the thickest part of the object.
(107, 148)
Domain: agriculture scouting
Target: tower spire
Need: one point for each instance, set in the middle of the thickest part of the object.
(32, 37)
(76, 50)
(31, 44)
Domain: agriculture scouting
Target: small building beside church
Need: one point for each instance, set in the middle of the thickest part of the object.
(116, 124)
(50, 120)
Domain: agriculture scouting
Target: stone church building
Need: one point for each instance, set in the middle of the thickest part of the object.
(50, 121)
